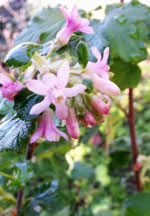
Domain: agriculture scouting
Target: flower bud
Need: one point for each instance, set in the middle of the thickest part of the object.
(72, 124)
(89, 118)
(99, 105)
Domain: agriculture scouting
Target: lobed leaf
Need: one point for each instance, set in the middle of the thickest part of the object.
(14, 134)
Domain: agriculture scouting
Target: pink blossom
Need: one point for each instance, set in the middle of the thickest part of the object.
(9, 88)
(100, 67)
(72, 124)
(47, 128)
(55, 91)
(105, 85)
(73, 23)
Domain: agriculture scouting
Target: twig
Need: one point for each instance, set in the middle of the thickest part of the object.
(131, 121)
(29, 155)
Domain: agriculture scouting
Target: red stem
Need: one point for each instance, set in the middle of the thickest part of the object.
(131, 121)
(29, 155)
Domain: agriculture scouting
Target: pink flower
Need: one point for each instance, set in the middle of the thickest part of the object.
(105, 85)
(73, 23)
(72, 124)
(9, 88)
(100, 67)
(47, 129)
(55, 91)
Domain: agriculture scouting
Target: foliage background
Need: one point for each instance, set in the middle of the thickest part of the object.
(83, 178)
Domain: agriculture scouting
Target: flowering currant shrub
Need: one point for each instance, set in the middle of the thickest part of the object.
(64, 81)
(72, 89)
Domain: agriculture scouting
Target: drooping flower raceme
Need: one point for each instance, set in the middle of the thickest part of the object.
(47, 128)
(9, 88)
(55, 91)
(73, 23)
(73, 93)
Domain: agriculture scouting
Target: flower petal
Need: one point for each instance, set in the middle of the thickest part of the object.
(61, 110)
(86, 29)
(105, 55)
(75, 90)
(64, 12)
(74, 12)
(40, 107)
(96, 53)
(37, 87)
(38, 133)
(4, 79)
(49, 80)
(63, 75)
(105, 85)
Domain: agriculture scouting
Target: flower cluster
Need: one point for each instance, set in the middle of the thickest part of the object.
(75, 95)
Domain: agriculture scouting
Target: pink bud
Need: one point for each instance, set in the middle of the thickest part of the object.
(72, 124)
(85, 124)
(96, 140)
(99, 105)
(89, 118)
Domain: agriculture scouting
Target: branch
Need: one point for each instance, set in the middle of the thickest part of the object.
(29, 155)
(131, 121)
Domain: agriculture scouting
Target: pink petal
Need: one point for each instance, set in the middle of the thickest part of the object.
(4, 79)
(63, 36)
(84, 22)
(74, 12)
(60, 133)
(105, 55)
(61, 110)
(63, 75)
(105, 85)
(75, 90)
(86, 29)
(38, 133)
(49, 80)
(40, 107)
(64, 12)
(51, 132)
(96, 53)
(37, 87)
(51, 135)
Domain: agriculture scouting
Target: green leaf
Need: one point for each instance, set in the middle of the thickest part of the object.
(97, 39)
(5, 106)
(23, 175)
(14, 134)
(89, 85)
(49, 200)
(81, 170)
(120, 159)
(44, 25)
(24, 101)
(82, 53)
(138, 205)
(121, 30)
(126, 75)
(21, 54)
